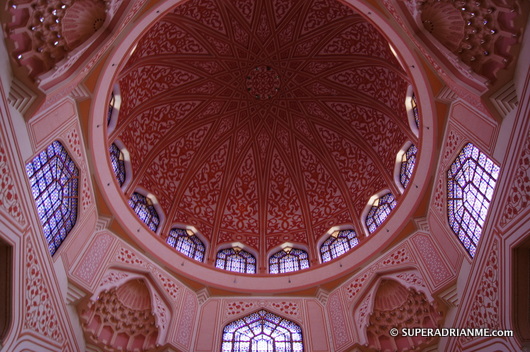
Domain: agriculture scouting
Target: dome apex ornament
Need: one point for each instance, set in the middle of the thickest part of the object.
(263, 82)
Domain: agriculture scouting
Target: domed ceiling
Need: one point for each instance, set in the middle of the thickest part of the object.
(263, 121)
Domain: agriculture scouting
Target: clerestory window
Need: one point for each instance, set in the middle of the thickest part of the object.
(381, 208)
(187, 243)
(117, 159)
(146, 211)
(236, 259)
(288, 260)
(337, 244)
(408, 160)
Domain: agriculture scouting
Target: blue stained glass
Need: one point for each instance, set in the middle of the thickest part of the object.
(290, 260)
(470, 183)
(145, 210)
(53, 178)
(236, 260)
(262, 331)
(187, 244)
(337, 244)
(379, 211)
(118, 163)
(408, 160)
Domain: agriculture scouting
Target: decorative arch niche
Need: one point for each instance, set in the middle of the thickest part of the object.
(126, 313)
(399, 300)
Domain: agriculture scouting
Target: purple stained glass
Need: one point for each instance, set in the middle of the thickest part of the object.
(379, 211)
(262, 331)
(408, 160)
(187, 244)
(470, 184)
(237, 260)
(338, 244)
(144, 208)
(289, 260)
(118, 163)
(54, 179)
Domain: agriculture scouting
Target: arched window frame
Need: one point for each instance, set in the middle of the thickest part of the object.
(55, 231)
(221, 263)
(126, 163)
(468, 225)
(154, 203)
(331, 236)
(194, 236)
(375, 202)
(399, 164)
(412, 107)
(259, 323)
(113, 108)
(287, 249)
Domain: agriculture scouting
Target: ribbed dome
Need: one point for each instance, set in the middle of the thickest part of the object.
(263, 121)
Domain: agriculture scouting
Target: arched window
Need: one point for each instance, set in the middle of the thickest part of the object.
(144, 208)
(54, 183)
(337, 244)
(287, 260)
(262, 331)
(470, 183)
(236, 259)
(112, 101)
(187, 243)
(415, 110)
(381, 208)
(408, 160)
(117, 160)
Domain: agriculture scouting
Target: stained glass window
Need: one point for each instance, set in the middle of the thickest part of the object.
(337, 244)
(118, 163)
(415, 110)
(235, 259)
(470, 183)
(110, 110)
(262, 331)
(187, 243)
(287, 260)
(54, 180)
(408, 160)
(381, 208)
(144, 208)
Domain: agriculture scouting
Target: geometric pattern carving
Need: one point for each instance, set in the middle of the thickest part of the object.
(338, 323)
(9, 201)
(485, 309)
(519, 194)
(399, 256)
(40, 313)
(230, 121)
(93, 257)
(432, 259)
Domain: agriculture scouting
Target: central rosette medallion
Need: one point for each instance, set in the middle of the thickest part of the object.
(263, 82)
